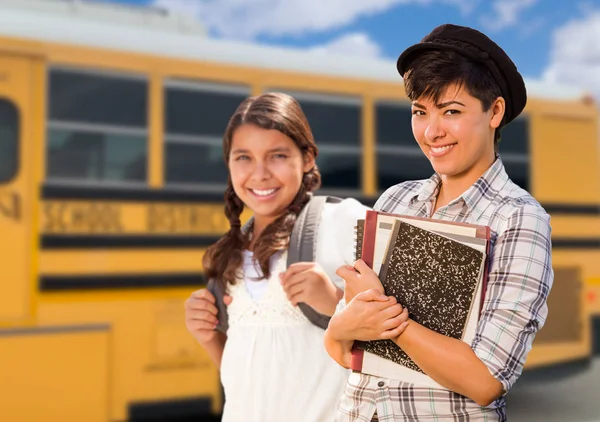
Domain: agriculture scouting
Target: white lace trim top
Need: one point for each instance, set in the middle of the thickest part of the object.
(274, 366)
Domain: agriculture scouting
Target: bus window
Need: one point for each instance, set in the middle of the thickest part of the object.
(399, 157)
(514, 150)
(196, 115)
(335, 121)
(98, 126)
(9, 139)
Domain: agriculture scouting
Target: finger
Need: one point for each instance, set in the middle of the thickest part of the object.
(393, 310)
(202, 316)
(294, 291)
(297, 297)
(201, 305)
(227, 300)
(347, 267)
(293, 280)
(295, 268)
(362, 267)
(203, 294)
(396, 321)
(348, 274)
(371, 295)
(202, 326)
(394, 333)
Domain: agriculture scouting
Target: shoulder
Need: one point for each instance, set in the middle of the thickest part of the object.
(399, 195)
(517, 209)
(343, 213)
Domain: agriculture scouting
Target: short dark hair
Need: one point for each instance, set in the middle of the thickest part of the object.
(431, 72)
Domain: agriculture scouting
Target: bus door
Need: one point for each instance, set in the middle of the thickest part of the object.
(16, 241)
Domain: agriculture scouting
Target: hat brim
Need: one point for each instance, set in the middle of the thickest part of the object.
(408, 55)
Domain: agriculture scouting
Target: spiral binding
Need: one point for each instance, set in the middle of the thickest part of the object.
(358, 238)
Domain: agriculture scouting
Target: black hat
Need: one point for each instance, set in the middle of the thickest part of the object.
(478, 47)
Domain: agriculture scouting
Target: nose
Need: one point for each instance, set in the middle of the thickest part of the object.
(434, 130)
(260, 171)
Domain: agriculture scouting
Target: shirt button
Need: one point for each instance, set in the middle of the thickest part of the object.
(381, 383)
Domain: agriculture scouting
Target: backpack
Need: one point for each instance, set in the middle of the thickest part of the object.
(301, 249)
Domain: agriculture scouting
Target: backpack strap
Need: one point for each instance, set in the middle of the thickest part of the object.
(219, 293)
(303, 245)
(222, 316)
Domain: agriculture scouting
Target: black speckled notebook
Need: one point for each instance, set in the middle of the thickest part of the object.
(435, 277)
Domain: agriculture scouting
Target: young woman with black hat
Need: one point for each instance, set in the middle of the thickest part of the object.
(464, 89)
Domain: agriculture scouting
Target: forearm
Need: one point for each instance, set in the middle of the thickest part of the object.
(450, 362)
(215, 347)
(333, 299)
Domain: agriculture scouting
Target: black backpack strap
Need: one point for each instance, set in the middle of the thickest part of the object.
(303, 245)
(219, 293)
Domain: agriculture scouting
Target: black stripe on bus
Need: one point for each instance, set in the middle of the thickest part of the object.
(71, 241)
(50, 191)
(576, 243)
(50, 283)
(572, 209)
(181, 409)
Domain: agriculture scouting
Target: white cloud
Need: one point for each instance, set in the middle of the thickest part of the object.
(575, 55)
(247, 19)
(506, 13)
(355, 44)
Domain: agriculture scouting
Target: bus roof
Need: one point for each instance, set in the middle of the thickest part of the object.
(156, 31)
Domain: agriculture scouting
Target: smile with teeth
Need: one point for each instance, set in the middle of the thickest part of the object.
(263, 192)
(438, 150)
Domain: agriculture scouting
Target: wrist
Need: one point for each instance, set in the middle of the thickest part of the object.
(214, 341)
(336, 329)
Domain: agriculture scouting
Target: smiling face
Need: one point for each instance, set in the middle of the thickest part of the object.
(456, 134)
(266, 169)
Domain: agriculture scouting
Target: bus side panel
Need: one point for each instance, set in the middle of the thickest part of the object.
(152, 356)
(565, 153)
(565, 336)
(55, 374)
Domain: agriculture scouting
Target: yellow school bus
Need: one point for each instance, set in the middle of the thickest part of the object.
(111, 184)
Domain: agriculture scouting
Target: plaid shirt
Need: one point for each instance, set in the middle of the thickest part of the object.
(515, 308)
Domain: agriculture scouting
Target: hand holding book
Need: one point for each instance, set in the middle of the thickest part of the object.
(370, 316)
(358, 278)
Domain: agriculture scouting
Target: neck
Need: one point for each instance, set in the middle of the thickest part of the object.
(259, 224)
(453, 186)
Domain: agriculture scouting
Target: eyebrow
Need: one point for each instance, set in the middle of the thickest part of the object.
(441, 105)
(247, 151)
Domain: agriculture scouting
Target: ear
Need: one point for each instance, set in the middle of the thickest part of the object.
(498, 109)
(309, 163)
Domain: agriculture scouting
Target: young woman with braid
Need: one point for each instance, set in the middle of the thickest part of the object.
(273, 363)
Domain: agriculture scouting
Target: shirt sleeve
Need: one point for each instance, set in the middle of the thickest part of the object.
(519, 281)
(336, 238)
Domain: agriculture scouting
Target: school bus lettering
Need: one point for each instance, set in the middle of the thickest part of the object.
(10, 205)
(184, 219)
(94, 217)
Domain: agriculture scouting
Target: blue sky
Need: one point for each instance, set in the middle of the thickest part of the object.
(557, 40)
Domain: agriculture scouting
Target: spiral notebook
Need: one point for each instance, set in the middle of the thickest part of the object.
(437, 268)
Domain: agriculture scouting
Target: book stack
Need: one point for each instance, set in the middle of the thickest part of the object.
(437, 269)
